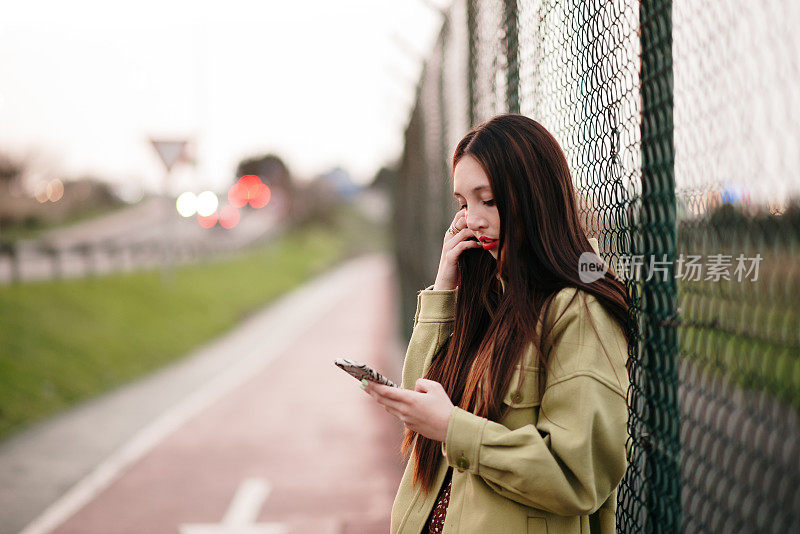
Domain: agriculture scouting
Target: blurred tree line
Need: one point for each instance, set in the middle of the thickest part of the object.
(54, 202)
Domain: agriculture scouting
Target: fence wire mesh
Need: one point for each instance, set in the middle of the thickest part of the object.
(681, 124)
(737, 133)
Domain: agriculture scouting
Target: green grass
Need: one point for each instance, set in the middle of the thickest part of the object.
(749, 331)
(65, 341)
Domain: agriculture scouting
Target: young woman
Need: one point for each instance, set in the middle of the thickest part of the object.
(515, 378)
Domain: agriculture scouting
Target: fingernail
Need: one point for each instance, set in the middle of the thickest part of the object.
(363, 383)
(362, 387)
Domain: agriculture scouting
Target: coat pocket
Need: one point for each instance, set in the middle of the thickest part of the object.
(526, 395)
(537, 525)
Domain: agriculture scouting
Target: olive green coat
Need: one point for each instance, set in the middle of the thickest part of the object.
(525, 474)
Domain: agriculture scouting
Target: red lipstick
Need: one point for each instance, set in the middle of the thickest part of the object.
(488, 243)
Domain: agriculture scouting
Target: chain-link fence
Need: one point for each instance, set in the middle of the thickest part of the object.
(681, 125)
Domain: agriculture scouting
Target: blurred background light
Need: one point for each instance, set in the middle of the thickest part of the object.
(235, 197)
(209, 221)
(261, 197)
(186, 204)
(207, 203)
(249, 189)
(55, 190)
(228, 217)
(40, 193)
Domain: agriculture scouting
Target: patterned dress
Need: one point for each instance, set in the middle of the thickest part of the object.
(436, 519)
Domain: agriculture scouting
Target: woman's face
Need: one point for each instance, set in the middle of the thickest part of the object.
(474, 195)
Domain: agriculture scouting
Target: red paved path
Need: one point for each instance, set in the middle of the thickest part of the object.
(301, 423)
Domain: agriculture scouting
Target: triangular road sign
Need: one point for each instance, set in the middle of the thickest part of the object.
(169, 151)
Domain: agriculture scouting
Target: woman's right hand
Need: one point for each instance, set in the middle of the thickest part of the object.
(453, 246)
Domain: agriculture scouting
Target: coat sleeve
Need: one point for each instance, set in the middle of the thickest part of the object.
(433, 324)
(569, 462)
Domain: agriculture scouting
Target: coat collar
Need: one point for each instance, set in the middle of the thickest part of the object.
(595, 245)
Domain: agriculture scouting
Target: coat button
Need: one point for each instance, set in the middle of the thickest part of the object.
(462, 463)
(517, 397)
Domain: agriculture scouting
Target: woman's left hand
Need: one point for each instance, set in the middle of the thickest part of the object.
(425, 410)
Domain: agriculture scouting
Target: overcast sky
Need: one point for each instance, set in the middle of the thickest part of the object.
(321, 83)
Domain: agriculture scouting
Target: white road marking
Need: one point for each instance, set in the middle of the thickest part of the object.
(241, 515)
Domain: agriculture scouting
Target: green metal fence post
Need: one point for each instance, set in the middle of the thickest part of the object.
(659, 356)
(511, 46)
(472, 29)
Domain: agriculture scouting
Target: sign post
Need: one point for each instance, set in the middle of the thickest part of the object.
(170, 151)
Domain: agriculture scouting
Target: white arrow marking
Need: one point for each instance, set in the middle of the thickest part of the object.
(241, 514)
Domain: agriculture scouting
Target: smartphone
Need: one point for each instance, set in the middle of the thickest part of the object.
(360, 371)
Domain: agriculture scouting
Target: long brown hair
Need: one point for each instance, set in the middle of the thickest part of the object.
(540, 243)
